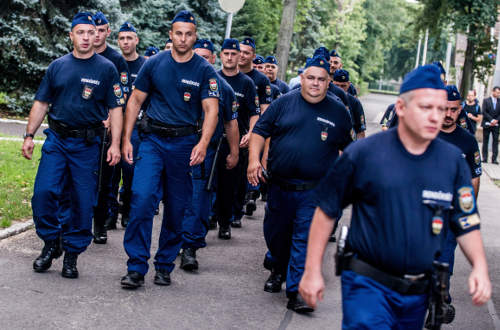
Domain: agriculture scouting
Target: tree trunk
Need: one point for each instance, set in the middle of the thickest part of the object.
(467, 78)
(285, 36)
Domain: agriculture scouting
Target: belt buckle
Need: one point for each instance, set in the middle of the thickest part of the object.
(414, 278)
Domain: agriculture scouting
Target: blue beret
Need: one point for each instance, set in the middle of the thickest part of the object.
(204, 43)
(258, 60)
(440, 66)
(231, 44)
(271, 60)
(127, 27)
(319, 61)
(100, 19)
(334, 53)
(151, 50)
(453, 93)
(249, 42)
(300, 70)
(426, 76)
(168, 41)
(82, 18)
(184, 16)
(322, 51)
(341, 75)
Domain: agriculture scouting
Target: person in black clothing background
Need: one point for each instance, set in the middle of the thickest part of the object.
(491, 115)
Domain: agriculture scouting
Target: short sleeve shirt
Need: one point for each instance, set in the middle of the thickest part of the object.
(467, 143)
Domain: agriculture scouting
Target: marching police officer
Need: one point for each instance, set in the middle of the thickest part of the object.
(336, 64)
(258, 63)
(79, 89)
(307, 129)
(400, 214)
(231, 183)
(168, 44)
(195, 225)
(128, 41)
(106, 211)
(271, 71)
(151, 51)
(182, 85)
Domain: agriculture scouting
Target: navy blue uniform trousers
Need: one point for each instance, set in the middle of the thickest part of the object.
(71, 164)
(128, 173)
(286, 228)
(162, 161)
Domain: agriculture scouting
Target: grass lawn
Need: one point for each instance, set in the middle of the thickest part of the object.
(497, 182)
(17, 176)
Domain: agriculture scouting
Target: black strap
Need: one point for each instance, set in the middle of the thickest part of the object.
(284, 185)
(164, 130)
(402, 285)
(66, 131)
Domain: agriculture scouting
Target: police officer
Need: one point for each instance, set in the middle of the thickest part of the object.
(387, 118)
(182, 85)
(195, 225)
(128, 41)
(271, 71)
(79, 89)
(307, 129)
(399, 214)
(106, 212)
(231, 183)
(462, 139)
(168, 44)
(341, 79)
(336, 64)
(258, 63)
(151, 51)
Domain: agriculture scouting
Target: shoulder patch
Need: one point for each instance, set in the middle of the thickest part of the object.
(117, 90)
(213, 84)
(268, 89)
(477, 158)
(469, 221)
(466, 199)
(124, 78)
(257, 101)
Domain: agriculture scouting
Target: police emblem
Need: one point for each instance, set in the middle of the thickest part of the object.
(213, 84)
(87, 92)
(469, 221)
(205, 45)
(321, 62)
(187, 96)
(89, 18)
(117, 90)
(324, 134)
(124, 78)
(477, 158)
(234, 45)
(256, 101)
(268, 90)
(466, 199)
(235, 106)
(463, 123)
(437, 225)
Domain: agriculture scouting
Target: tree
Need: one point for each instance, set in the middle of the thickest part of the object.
(285, 35)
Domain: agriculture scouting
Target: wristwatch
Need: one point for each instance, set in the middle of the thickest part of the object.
(27, 135)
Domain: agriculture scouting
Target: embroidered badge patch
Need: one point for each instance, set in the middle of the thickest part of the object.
(256, 101)
(187, 96)
(469, 221)
(87, 92)
(324, 135)
(213, 84)
(437, 225)
(477, 158)
(235, 106)
(466, 199)
(463, 123)
(117, 90)
(268, 90)
(124, 78)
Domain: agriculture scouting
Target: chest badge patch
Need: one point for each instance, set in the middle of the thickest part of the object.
(268, 90)
(437, 225)
(477, 158)
(324, 134)
(463, 123)
(117, 90)
(466, 199)
(213, 85)
(235, 106)
(87, 92)
(124, 78)
(257, 101)
(187, 96)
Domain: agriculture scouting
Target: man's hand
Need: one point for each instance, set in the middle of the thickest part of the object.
(231, 161)
(311, 288)
(254, 173)
(494, 122)
(27, 149)
(479, 286)
(470, 116)
(198, 154)
(127, 151)
(107, 123)
(113, 155)
(244, 140)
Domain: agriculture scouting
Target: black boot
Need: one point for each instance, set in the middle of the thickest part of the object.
(110, 222)
(162, 277)
(51, 250)
(100, 234)
(274, 282)
(250, 207)
(224, 232)
(132, 280)
(69, 265)
(212, 223)
(236, 223)
(188, 259)
(125, 219)
(298, 305)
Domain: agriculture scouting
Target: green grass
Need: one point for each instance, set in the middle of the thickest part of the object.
(41, 138)
(497, 182)
(17, 176)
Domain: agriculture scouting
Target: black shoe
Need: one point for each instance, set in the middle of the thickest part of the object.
(212, 223)
(225, 232)
(69, 269)
(298, 305)
(162, 277)
(110, 222)
(274, 282)
(51, 250)
(125, 219)
(236, 223)
(100, 234)
(494, 162)
(250, 207)
(188, 259)
(132, 280)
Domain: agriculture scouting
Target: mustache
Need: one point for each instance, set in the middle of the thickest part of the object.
(448, 118)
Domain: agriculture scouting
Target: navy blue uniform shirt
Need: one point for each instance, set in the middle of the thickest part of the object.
(305, 138)
(352, 90)
(283, 87)
(334, 90)
(121, 66)
(177, 89)
(134, 67)
(466, 142)
(228, 108)
(262, 85)
(275, 92)
(357, 114)
(246, 98)
(80, 91)
(395, 196)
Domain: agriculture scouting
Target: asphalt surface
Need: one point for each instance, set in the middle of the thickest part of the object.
(226, 292)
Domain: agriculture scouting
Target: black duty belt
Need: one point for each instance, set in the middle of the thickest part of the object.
(66, 131)
(406, 285)
(163, 130)
(284, 185)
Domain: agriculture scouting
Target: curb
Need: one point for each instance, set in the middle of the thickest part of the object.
(15, 229)
(16, 121)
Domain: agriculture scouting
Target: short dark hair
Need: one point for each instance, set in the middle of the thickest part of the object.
(496, 88)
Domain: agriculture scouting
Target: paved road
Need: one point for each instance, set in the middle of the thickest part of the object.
(226, 293)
